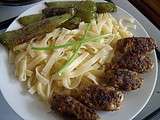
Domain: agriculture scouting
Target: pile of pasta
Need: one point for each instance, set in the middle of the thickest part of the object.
(38, 69)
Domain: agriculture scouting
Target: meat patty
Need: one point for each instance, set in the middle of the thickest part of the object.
(131, 54)
(67, 105)
(123, 79)
(135, 63)
(135, 45)
(101, 98)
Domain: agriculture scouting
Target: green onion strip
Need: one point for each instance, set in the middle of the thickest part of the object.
(74, 56)
(71, 43)
(76, 45)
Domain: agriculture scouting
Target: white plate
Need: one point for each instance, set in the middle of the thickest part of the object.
(30, 108)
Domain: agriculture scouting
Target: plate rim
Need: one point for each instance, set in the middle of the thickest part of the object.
(156, 67)
(156, 62)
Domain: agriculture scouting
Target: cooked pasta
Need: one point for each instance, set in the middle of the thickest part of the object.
(40, 68)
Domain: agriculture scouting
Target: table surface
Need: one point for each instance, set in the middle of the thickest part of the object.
(149, 8)
(6, 113)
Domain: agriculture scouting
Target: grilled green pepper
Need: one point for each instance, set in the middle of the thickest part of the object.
(62, 4)
(47, 12)
(61, 7)
(25, 34)
(86, 10)
(102, 7)
(106, 7)
(26, 20)
(72, 23)
(50, 12)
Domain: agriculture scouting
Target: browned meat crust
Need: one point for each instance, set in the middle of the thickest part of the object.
(123, 79)
(140, 64)
(101, 98)
(67, 105)
(131, 53)
(135, 45)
